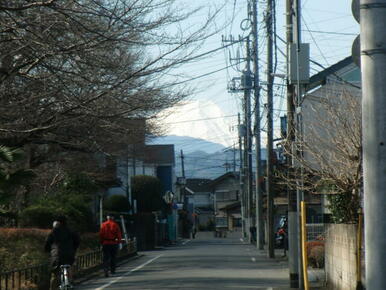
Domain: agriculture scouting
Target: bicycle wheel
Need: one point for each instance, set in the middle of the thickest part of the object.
(62, 280)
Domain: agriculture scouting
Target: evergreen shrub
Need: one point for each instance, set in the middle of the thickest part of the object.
(117, 203)
(147, 190)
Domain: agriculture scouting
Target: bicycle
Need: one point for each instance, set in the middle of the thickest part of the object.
(64, 278)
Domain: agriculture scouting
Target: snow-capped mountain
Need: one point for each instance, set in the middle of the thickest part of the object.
(206, 135)
(202, 120)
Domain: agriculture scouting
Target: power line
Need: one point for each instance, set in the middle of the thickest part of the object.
(200, 76)
(313, 39)
(213, 50)
(330, 32)
(203, 119)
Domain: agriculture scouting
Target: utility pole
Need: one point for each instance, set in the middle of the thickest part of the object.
(270, 239)
(247, 86)
(293, 240)
(234, 158)
(301, 76)
(183, 178)
(182, 164)
(134, 167)
(244, 84)
(299, 135)
(241, 177)
(373, 67)
(256, 90)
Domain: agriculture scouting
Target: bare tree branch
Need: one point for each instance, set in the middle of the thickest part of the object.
(331, 149)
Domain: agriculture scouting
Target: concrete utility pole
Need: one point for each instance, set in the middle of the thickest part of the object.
(299, 131)
(245, 132)
(182, 164)
(244, 84)
(256, 90)
(234, 158)
(247, 86)
(241, 178)
(184, 179)
(293, 241)
(270, 239)
(373, 66)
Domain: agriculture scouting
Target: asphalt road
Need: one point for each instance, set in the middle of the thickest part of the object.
(203, 263)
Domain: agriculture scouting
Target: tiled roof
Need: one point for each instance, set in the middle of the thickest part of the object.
(198, 184)
(321, 77)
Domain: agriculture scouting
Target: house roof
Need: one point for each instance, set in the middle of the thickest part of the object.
(198, 184)
(223, 177)
(321, 77)
(230, 206)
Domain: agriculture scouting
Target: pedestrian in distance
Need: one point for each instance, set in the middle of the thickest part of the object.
(110, 236)
(62, 244)
(284, 231)
(194, 232)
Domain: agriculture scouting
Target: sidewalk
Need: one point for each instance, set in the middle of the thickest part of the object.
(316, 277)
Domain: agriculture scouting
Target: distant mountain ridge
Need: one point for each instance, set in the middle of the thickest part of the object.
(202, 158)
(189, 144)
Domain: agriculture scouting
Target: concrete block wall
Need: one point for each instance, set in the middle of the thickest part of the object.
(340, 256)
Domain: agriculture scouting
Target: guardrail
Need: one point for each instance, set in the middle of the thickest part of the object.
(35, 276)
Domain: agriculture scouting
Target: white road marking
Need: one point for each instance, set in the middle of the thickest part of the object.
(185, 242)
(127, 273)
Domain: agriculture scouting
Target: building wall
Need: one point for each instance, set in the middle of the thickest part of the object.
(227, 184)
(203, 199)
(165, 174)
(340, 257)
(226, 192)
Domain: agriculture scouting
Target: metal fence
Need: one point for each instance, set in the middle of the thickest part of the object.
(35, 276)
(25, 278)
(316, 232)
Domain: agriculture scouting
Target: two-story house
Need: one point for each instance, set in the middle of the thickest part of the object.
(201, 197)
(226, 195)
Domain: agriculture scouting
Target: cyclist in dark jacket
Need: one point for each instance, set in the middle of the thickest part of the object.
(62, 244)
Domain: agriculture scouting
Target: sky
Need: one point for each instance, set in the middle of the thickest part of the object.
(210, 113)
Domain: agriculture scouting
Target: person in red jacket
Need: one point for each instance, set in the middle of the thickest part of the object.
(110, 237)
